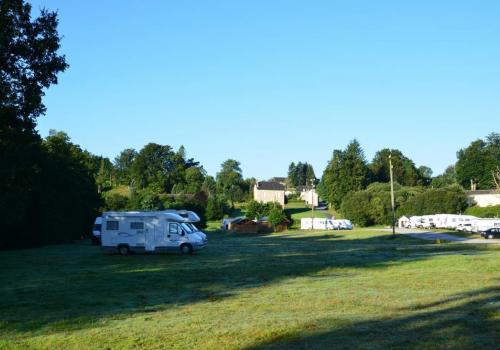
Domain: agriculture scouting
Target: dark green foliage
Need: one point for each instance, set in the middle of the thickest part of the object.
(67, 192)
(300, 174)
(448, 178)
(346, 172)
(154, 164)
(216, 208)
(209, 186)
(47, 190)
(357, 208)
(230, 181)
(116, 202)
(276, 214)
(450, 200)
(255, 210)
(123, 166)
(404, 170)
(477, 162)
(486, 212)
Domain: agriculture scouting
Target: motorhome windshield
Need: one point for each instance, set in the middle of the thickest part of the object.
(187, 228)
(194, 228)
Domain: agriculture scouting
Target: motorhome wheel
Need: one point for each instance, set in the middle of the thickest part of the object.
(123, 250)
(186, 249)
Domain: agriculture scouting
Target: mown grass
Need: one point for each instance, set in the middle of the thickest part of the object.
(346, 290)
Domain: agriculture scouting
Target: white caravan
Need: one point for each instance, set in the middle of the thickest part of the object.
(428, 221)
(151, 232)
(479, 225)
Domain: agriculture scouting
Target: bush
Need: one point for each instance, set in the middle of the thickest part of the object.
(486, 212)
(276, 215)
(356, 206)
(115, 201)
(256, 210)
(450, 200)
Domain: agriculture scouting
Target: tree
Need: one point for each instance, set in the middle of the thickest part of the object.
(123, 165)
(425, 175)
(404, 170)
(229, 181)
(29, 64)
(476, 163)
(194, 177)
(446, 179)
(347, 171)
(216, 208)
(209, 186)
(154, 165)
(301, 174)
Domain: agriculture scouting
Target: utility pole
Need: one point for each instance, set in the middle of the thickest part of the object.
(392, 199)
(312, 204)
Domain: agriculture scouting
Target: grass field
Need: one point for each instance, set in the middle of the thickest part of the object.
(348, 290)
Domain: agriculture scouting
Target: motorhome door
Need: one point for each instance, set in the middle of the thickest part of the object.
(173, 232)
(149, 235)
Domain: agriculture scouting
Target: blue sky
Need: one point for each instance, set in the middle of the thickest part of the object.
(270, 82)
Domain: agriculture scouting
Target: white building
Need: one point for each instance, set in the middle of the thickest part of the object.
(269, 192)
(309, 195)
(483, 198)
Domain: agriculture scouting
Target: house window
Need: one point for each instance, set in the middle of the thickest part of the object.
(112, 225)
(137, 226)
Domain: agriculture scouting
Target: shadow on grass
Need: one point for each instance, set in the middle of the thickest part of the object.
(460, 323)
(295, 211)
(74, 286)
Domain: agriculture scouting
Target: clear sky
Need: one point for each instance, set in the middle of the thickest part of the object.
(270, 82)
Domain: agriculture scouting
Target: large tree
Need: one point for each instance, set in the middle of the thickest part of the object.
(477, 163)
(230, 181)
(347, 171)
(404, 170)
(29, 64)
(300, 174)
(123, 165)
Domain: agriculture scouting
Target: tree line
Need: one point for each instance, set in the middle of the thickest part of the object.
(51, 189)
(359, 190)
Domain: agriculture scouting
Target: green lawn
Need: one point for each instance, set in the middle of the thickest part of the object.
(348, 290)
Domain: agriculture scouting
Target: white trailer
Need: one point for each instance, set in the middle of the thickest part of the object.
(479, 225)
(151, 232)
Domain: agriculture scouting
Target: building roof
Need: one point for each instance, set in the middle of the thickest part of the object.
(270, 186)
(477, 192)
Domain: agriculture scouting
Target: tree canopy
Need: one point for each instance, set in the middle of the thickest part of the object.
(477, 163)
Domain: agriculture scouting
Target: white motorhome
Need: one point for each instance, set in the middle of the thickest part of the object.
(151, 232)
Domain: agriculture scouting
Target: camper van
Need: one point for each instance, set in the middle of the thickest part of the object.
(151, 232)
(96, 231)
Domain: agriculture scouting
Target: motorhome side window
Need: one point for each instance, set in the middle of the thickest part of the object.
(137, 226)
(173, 228)
(112, 225)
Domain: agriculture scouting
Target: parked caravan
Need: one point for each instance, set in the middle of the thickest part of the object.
(151, 232)
(415, 222)
(479, 225)
(428, 221)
